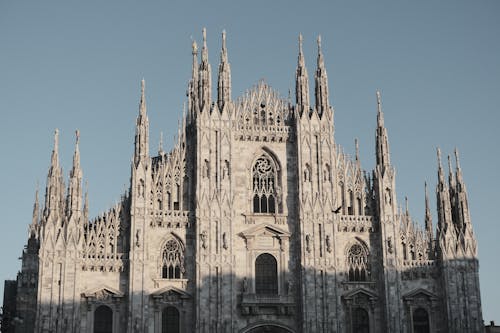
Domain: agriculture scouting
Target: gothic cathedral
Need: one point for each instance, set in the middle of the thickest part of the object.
(256, 221)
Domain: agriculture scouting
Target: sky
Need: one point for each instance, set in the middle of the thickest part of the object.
(78, 65)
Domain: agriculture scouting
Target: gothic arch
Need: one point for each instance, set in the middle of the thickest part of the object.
(265, 183)
(171, 258)
(267, 326)
(357, 257)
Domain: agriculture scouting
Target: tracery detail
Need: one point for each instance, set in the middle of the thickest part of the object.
(264, 185)
(172, 260)
(357, 262)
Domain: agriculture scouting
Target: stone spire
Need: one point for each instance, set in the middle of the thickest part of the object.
(205, 77)
(193, 84)
(142, 130)
(321, 80)
(55, 186)
(428, 215)
(33, 228)
(443, 200)
(462, 205)
(451, 177)
(381, 138)
(356, 144)
(74, 199)
(160, 145)
(301, 82)
(224, 82)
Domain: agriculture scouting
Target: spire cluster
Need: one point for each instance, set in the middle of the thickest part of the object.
(454, 224)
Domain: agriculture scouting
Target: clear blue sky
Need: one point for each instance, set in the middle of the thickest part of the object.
(78, 64)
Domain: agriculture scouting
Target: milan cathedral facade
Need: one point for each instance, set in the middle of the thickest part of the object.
(256, 221)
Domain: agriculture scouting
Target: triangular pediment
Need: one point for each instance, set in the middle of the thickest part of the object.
(360, 292)
(419, 293)
(170, 291)
(265, 230)
(103, 292)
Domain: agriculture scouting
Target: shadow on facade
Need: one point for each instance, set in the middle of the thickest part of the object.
(432, 298)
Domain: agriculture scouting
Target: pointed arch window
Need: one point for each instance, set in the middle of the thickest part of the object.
(357, 262)
(172, 260)
(265, 186)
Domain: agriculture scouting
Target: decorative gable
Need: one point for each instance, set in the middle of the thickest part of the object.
(265, 236)
(102, 294)
(170, 294)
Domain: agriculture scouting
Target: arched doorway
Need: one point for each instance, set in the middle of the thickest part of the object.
(360, 321)
(170, 321)
(270, 328)
(266, 275)
(103, 319)
(420, 321)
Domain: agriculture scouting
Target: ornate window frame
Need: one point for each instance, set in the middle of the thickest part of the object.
(357, 256)
(167, 260)
(265, 185)
(102, 296)
(267, 239)
(421, 298)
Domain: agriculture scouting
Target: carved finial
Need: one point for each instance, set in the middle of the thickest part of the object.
(300, 43)
(457, 160)
(195, 47)
(56, 140)
(449, 164)
(379, 102)
(319, 43)
(223, 39)
(356, 144)
(439, 157)
(204, 32)
(142, 108)
(160, 144)
(77, 133)
(407, 206)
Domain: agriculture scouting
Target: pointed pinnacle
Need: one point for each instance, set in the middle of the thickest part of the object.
(457, 159)
(143, 98)
(56, 140)
(426, 194)
(450, 169)
(204, 33)
(357, 149)
(439, 158)
(160, 144)
(77, 133)
(379, 110)
(223, 52)
(300, 43)
(321, 64)
(195, 47)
